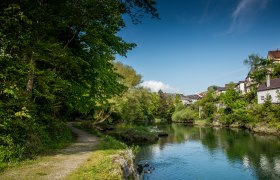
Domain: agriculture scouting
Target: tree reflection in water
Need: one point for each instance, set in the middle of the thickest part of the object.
(241, 148)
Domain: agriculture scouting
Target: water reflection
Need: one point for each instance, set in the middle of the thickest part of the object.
(247, 155)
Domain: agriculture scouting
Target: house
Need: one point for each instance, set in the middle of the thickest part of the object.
(194, 97)
(202, 94)
(269, 88)
(220, 90)
(240, 86)
(249, 83)
(274, 55)
(185, 100)
(190, 99)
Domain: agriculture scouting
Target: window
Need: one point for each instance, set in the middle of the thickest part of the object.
(262, 98)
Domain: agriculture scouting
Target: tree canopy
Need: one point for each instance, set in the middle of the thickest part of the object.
(56, 62)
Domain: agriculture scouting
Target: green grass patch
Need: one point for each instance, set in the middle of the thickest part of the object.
(132, 134)
(201, 122)
(62, 140)
(102, 164)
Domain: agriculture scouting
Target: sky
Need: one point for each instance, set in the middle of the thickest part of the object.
(199, 43)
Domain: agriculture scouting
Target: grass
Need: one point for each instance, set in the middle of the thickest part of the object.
(100, 166)
(133, 134)
(48, 150)
(102, 163)
(201, 122)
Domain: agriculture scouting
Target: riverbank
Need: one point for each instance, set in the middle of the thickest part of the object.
(92, 156)
(261, 128)
(111, 160)
(56, 165)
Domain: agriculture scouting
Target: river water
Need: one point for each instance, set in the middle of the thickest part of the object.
(211, 153)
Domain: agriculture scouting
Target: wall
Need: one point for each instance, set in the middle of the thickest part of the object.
(272, 93)
(242, 88)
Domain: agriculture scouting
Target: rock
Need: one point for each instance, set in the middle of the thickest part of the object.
(217, 123)
(265, 129)
(236, 125)
(129, 169)
(140, 168)
(147, 172)
(146, 164)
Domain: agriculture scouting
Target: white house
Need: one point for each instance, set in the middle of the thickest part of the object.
(240, 86)
(269, 88)
(190, 99)
(220, 90)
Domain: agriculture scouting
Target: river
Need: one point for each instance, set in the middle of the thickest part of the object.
(211, 153)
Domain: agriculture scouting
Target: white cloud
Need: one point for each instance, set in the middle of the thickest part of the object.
(155, 86)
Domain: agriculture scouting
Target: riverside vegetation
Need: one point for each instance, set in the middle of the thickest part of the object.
(237, 109)
(57, 65)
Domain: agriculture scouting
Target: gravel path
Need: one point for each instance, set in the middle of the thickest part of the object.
(56, 166)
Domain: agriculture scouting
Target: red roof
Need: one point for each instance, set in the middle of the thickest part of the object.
(275, 54)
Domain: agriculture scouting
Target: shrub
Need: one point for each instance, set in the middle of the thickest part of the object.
(184, 115)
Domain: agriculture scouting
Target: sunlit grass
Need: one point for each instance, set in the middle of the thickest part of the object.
(102, 164)
(200, 122)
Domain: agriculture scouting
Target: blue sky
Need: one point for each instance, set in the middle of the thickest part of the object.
(198, 43)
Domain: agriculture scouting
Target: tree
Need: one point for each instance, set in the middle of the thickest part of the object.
(253, 61)
(137, 104)
(128, 75)
(56, 61)
(260, 67)
(230, 97)
(166, 106)
(208, 104)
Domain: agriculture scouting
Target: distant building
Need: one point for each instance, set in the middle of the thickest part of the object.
(186, 101)
(249, 83)
(202, 94)
(190, 99)
(241, 86)
(269, 88)
(220, 90)
(274, 55)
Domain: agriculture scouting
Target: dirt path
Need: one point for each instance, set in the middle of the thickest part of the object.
(56, 166)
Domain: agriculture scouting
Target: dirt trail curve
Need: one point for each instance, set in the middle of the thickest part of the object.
(56, 166)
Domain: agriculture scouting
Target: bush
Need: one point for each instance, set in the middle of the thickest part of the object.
(184, 115)
(24, 137)
(132, 134)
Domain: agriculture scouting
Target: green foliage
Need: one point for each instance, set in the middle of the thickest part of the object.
(183, 114)
(56, 63)
(136, 105)
(134, 134)
(239, 115)
(166, 106)
(111, 143)
(208, 104)
(239, 108)
(260, 67)
(128, 75)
